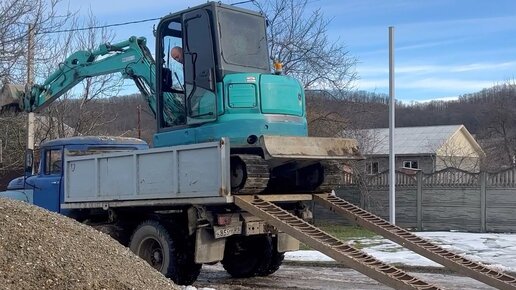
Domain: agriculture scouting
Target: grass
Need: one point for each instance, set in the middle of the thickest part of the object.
(345, 233)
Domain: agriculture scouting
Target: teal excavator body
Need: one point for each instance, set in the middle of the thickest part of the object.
(219, 85)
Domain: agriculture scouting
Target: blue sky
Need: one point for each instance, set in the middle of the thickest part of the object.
(444, 48)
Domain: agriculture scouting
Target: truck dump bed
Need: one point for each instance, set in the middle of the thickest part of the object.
(149, 177)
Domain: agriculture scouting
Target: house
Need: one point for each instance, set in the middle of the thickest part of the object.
(429, 148)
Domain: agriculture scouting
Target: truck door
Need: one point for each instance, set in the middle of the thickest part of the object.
(47, 186)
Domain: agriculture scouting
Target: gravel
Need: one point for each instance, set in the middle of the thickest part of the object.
(44, 250)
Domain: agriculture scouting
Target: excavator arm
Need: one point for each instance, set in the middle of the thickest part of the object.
(132, 58)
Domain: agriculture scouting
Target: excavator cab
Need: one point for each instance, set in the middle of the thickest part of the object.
(192, 73)
(215, 40)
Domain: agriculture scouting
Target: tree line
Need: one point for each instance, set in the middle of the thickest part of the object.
(489, 114)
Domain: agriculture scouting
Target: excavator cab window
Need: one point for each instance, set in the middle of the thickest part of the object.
(171, 105)
(199, 66)
(186, 90)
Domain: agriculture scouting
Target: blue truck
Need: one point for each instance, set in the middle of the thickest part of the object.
(173, 206)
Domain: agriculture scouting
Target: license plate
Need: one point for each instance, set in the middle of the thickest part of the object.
(221, 232)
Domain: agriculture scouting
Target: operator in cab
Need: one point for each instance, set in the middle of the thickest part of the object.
(177, 54)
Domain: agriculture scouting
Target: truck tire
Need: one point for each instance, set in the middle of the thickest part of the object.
(188, 270)
(157, 245)
(274, 261)
(247, 256)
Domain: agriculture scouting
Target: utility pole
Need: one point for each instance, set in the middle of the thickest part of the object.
(139, 121)
(392, 125)
(28, 86)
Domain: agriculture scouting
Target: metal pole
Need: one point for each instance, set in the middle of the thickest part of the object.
(30, 81)
(392, 125)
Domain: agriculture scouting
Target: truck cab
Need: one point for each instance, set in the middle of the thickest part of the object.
(43, 186)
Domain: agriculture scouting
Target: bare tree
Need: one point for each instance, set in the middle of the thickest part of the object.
(325, 114)
(13, 135)
(15, 17)
(458, 154)
(499, 116)
(299, 39)
(74, 109)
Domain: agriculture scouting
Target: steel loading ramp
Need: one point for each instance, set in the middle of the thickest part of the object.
(329, 245)
(417, 244)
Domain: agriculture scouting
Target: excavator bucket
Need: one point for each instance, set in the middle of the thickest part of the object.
(10, 96)
(318, 148)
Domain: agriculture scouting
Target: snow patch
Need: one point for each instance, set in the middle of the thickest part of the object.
(497, 251)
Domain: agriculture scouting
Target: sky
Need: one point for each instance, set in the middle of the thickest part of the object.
(443, 48)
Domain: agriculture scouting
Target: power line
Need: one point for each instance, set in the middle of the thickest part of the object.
(241, 2)
(122, 23)
(101, 26)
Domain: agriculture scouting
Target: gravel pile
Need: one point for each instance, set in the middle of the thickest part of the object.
(44, 250)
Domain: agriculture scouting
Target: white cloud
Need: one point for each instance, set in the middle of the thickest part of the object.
(436, 84)
(432, 69)
(448, 83)
(484, 66)
(454, 98)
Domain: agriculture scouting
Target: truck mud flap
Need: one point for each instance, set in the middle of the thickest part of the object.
(329, 245)
(417, 244)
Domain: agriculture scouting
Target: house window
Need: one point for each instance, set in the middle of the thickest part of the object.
(372, 167)
(412, 164)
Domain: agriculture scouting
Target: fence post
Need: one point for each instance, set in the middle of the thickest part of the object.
(419, 201)
(483, 210)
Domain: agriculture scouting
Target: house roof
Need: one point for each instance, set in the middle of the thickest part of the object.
(409, 140)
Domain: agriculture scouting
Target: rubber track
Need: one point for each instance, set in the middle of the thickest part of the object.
(417, 244)
(329, 245)
(332, 176)
(257, 174)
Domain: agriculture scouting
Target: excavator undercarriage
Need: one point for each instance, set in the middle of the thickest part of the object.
(292, 164)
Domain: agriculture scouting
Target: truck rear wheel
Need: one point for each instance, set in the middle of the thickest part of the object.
(247, 256)
(275, 261)
(165, 252)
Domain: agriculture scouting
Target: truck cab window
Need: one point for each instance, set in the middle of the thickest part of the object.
(53, 161)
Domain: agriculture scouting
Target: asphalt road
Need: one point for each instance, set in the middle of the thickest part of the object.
(316, 277)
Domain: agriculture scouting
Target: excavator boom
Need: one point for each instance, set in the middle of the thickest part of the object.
(131, 58)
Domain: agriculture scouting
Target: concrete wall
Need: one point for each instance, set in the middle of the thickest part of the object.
(442, 201)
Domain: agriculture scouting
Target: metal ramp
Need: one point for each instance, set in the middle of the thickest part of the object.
(417, 244)
(329, 245)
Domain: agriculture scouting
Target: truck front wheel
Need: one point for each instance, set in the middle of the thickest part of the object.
(165, 252)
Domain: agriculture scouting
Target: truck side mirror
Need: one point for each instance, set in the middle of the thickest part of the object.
(29, 162)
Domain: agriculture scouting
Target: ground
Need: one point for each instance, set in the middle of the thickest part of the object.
(313, 270)
(314, 277)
